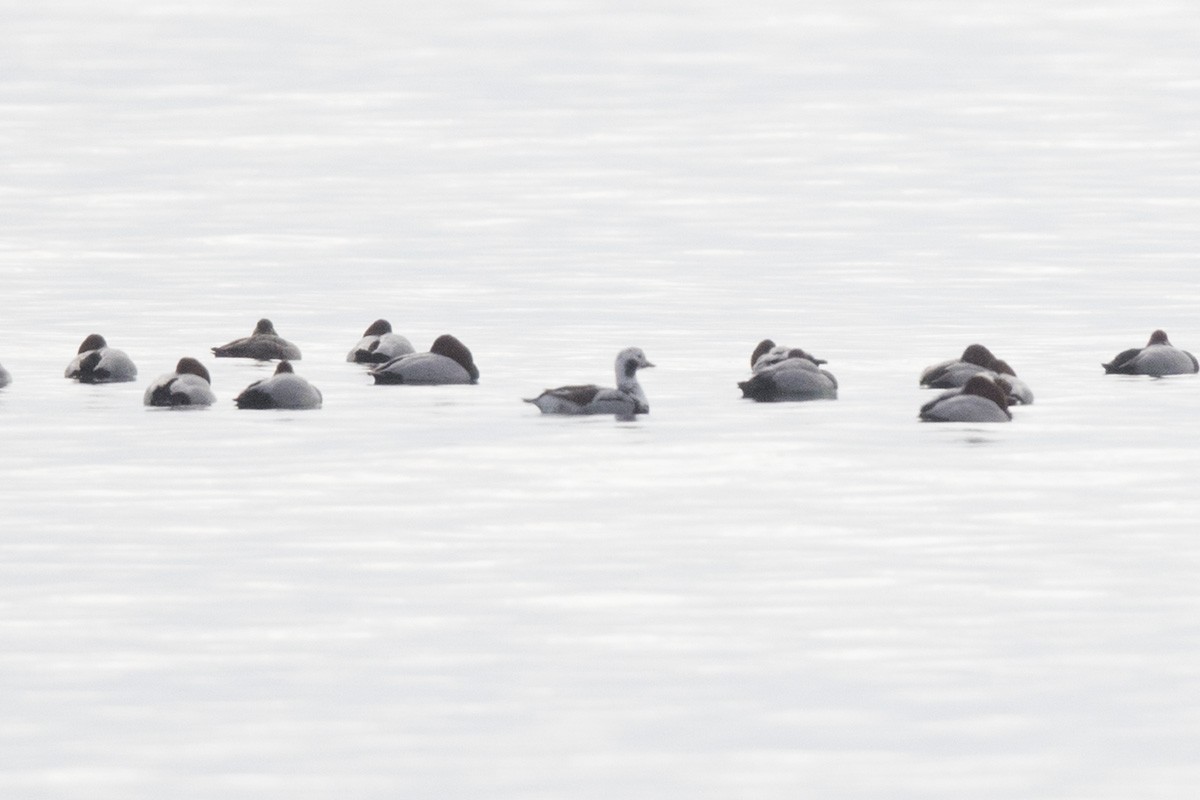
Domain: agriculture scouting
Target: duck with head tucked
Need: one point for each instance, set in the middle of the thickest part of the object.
(979, 400)
(787, 373)
(284, 389)
(189, 386)
(448, 361)
(379, 345)
(625, 400)
(96, 362)
(5, 378)
(768, 354)
(975, 360)
(1159, 357)
(264, 345)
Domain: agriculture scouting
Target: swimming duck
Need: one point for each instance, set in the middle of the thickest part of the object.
(976, 360)
(96, 362)
(768, 354)
(189, 385)
(979, 400)
(1159, 357)
(284, 389)
(264, 344)
(379, 345)
(956, 372)
(448, 361)
(625, 400)
(791, 379)
(5, 378)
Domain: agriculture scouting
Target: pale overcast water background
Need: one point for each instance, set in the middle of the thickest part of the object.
(438, 593)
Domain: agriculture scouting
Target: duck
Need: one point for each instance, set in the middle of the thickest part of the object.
(976, 359)
(5, 378)
(379, 345)
(626, 400)
(96, 362)
(448, 361)
(284, 389)
(1159, 357)
(1017, 391)
(189, 386)
(264, 344)
(980, 399)
(767, 354)
(790, 379)
(957, 371)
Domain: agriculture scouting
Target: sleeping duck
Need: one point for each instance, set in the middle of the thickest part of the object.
(284, 389)
(1159, 357)
(188, 386)
(448, 361)
(96, 362)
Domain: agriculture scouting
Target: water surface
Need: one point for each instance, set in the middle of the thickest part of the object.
(436, 592)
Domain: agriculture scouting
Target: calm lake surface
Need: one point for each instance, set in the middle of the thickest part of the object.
(439, 593)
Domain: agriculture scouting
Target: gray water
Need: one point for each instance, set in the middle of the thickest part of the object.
(437, 592)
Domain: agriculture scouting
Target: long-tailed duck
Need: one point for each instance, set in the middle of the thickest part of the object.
(626, 399)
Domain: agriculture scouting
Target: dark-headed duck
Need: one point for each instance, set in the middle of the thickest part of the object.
(787, 373)
(189, 386)
(96, 362)
(448, 361)
(379, 345)
(284, 389)
(264, 344)
(1159, 357)
(976, 360)
(980, 400)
